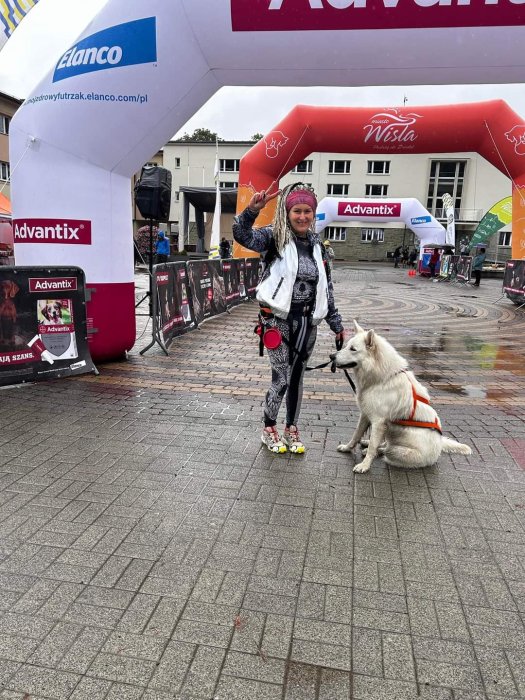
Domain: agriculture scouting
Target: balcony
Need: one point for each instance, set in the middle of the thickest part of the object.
(465, 216)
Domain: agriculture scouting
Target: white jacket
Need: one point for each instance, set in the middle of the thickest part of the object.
(276, 289)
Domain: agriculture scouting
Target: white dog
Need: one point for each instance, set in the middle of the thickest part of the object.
(404, 428)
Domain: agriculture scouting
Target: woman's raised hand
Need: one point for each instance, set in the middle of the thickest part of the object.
(261, 199)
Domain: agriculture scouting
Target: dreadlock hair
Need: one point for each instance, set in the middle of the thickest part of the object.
(282, 232)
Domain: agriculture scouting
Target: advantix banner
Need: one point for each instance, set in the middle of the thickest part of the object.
(43, 328)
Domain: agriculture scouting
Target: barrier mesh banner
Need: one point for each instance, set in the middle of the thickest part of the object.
(43, 327)
(207, 288)
(251, 276)
(233, 272)
(514, 280)
(174, 307)
(463, 268)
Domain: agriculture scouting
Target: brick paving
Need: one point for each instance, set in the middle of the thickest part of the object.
(151, 549)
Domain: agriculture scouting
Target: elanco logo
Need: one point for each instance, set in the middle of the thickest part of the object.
(365, 209)
(125, 44)
(316, 15)
(52, 284)
(62, 231)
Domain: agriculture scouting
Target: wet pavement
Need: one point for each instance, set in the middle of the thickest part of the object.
(150, 548)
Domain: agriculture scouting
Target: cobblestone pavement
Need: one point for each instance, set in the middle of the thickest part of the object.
(150, 548)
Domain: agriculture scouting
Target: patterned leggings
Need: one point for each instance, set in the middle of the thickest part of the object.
(287, 370)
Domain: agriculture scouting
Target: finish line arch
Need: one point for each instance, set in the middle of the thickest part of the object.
(141, 69)
(407, 209)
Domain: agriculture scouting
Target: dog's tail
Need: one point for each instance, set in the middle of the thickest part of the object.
(449, 445)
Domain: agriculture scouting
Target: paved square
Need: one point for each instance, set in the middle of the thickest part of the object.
(152, 549)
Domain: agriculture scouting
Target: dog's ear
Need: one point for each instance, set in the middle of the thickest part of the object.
(358, 328)
(370, 339)
(13, 289)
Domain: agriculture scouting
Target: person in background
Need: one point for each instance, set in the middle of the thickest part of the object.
(477, 265)
(404, 256)
(162, 248)
(330, 255)
(464, 246)
(295, 294)
(224, 248)
(397, 255)
(433, 262)
(412, 259)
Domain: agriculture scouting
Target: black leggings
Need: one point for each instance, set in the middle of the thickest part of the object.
(288, 367)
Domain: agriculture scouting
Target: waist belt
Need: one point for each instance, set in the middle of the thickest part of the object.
(304, 308)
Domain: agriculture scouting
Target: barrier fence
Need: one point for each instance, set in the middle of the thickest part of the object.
(187, 293)
(514, 281)
(43, 325)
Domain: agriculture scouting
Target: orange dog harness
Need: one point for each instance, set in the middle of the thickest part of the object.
(436, 425)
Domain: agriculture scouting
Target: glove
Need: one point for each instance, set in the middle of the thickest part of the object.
(339, 340)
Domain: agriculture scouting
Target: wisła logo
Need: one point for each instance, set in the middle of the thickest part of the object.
(125, 44)
(76, 232)
(517, 136)
(273, 142)
(391, 127)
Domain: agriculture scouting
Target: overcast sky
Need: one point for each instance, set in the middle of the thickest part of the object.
(235, 113)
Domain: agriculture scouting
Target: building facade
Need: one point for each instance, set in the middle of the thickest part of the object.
(474, 184)
(8, 107)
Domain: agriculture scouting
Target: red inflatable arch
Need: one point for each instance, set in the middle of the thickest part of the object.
(491, 129)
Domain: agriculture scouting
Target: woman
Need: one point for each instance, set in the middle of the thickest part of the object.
(295, 294)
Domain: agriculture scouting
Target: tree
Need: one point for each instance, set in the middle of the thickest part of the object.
(202, 135)
(257, 137)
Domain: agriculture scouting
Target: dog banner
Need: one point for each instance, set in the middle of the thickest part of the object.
(174, 307)
(444, 270)
(233, 272)
(207, 288)
(43, 326)
(514, 280)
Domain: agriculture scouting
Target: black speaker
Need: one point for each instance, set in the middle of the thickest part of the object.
(153, 192)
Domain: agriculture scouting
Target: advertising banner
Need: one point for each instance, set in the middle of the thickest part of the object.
(207, 288)
(514, 280)
(448, 205)
(463, 268)
(251, 276)
(43, 328)
(497, 217)
(444, 270)
(233, 272)
(174, 306)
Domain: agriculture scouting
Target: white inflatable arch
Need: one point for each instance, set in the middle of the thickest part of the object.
(141, 69)
(408, 210)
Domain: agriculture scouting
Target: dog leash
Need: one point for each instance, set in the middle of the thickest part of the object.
(338, 346)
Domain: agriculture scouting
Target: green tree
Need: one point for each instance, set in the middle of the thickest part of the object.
(202, 135)
(257, 137)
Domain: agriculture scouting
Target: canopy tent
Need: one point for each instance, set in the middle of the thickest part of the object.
(203, 200)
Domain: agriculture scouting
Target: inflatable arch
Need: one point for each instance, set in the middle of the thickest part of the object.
(141, 69)
(408, 210)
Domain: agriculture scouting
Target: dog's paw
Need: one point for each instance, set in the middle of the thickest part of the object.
(364, 443)
(345, 448)
(361, 468)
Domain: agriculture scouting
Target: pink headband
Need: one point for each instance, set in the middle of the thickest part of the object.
(301, 197)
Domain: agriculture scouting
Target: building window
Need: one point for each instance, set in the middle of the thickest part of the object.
(337, 190)
(339, 167)
(372, 235)
(376, 190)
(334, 233)
(378, 167)
(305, 166)
(4, 171)
(505, 238)
(229, 165)
(228, 185)
(177, 162)
(4, 124)
(446, 177)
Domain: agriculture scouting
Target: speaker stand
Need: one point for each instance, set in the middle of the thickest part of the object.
(152, 306)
